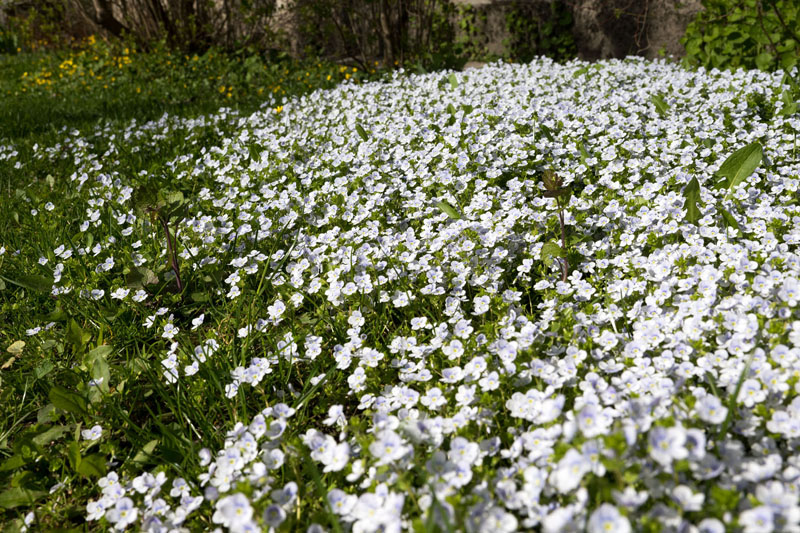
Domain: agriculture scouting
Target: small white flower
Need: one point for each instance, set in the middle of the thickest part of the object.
(93, 433)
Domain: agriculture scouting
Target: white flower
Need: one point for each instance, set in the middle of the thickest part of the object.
(710, 409)
(123, 514)
(94, 433)
(170, 330)
(233, 511)
(569, 471)
(606, 519)
(668, 444)
(198, 321)
(757, 520)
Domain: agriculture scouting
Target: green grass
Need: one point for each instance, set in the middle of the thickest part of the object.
(97, 89)
(75, 88)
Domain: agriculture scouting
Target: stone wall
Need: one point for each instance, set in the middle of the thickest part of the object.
(602, 28)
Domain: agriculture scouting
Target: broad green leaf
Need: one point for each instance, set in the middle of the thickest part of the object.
(173, 197)
(140, 278)
(43, 369)
(739, 166)
(584, 154)
(362, 133)
(92, 466)
(19, 496)
(12, 463)
(76, 336)
(98, 363)
(49, 435)
(67, 400)
(453, 80)
(31, 282)
(449, 210)
(549, 251)
(729, 220)
(692, 195)
(547, 133)
(143, 455)
(200, 297)
(661, 105)
(74, 455)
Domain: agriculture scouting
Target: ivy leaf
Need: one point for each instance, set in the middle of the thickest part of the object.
(362, 133)
(739, 165)
(692, 195)
(549, 251)
(449, 210)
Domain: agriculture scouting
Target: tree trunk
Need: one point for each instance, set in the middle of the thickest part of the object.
(104, 17)
(386, 34)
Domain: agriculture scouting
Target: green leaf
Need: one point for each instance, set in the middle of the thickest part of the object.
(143, 455)
(43, 369)
(200, 297)
(692, 195)
(31, 282)
(449, 210)
(661, 105)
(584, 154)
(49, 435)
(76, 336)
(739, 166)
(140, 278)
(549, 251)
(173, 197)
(362, 133)
(92, 466)
(74, 455)
(19, 496)
(97, 361)
(453, 80)
(67, 400)
(547, 132)
(729, 220)
(12, 463)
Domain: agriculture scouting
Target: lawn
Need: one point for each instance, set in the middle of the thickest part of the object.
(526, 297)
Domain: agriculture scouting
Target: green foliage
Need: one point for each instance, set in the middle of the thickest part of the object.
(759, 34)
(530, 34)
(692, 195)
(42, 92)
(738, 166)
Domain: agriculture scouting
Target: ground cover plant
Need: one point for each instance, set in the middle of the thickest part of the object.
(536, 297)
(95, 79)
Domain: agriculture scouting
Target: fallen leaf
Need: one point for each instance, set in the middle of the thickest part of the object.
(16, 347)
